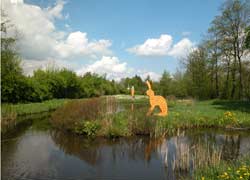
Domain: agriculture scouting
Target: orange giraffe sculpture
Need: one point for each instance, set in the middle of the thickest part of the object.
(156, 101)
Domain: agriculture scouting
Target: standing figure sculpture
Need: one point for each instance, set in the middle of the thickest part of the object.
(156, 101)
(133, 92)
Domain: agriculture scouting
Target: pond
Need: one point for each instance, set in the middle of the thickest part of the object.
(36, 151)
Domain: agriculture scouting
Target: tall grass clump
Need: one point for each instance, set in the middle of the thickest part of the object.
(83, 116)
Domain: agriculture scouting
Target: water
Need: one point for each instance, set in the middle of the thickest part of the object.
(36, 151)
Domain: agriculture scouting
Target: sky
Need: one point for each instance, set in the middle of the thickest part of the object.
(119, 38)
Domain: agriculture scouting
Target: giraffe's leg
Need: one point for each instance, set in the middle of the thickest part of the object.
(164, 110)
(150, 110)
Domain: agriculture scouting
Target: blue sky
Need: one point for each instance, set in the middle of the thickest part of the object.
(127, 25)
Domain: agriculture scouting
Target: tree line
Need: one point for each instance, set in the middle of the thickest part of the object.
(219, 67)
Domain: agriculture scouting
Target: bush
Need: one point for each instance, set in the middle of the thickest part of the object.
(88, 128)
(228, 118)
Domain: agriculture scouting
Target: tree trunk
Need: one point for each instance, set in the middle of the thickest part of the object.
(233, 77)
(240, 72)
(212, 81)
(227, 80)
(216, 77)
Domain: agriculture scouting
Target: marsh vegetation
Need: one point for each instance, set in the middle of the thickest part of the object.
(112, 117)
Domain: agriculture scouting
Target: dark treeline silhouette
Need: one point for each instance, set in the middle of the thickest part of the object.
(218, 68)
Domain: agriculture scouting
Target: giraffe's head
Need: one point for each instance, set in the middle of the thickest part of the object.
(149, 92)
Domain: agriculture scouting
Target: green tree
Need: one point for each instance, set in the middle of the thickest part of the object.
(178, 85)
(165, 84)
(136, 81)
(197, 72)
(231, 25)
(13, 82)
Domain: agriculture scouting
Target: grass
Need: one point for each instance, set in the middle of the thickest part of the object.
(209, 114)
(232, 170)
(31, 108)
(127, 117)
(11, 112)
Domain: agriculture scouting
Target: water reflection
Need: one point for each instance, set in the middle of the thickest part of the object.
(49, 154)
(77, 146)
(189, 151)
(178, 155)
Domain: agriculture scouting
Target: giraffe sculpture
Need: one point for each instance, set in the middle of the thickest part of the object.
(156, 101)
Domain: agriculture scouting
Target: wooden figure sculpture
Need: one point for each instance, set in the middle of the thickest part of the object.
(156, 101)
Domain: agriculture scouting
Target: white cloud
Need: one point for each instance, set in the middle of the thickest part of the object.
(29, 66)
(39, 39)
(153, 47)
(67, 26)
(162, 47)
(185, 33)
(114, 69)
(55, 12)
(153, 75)
(77, 44)
(111, 66)
(16, 1)
(182, 48)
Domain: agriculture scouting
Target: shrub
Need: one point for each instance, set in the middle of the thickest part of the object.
(228, 118)
(88, 128)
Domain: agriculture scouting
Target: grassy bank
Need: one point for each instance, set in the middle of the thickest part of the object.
(231, 170)
(212, 113)
(110, 117)
(10, 112)
(30, 108)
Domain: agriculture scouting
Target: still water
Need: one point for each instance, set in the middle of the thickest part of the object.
(36, 151)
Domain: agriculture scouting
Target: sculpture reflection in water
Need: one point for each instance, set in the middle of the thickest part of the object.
(156, 101)
(180, 154)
